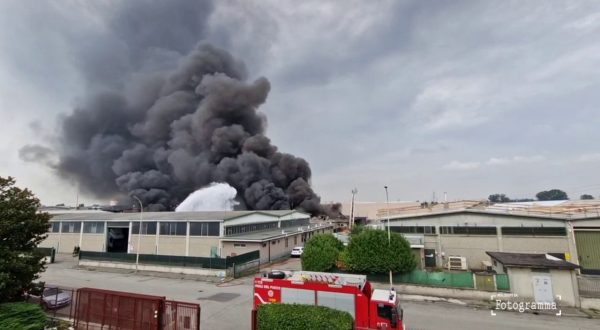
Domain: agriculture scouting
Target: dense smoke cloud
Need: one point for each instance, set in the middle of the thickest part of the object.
(163, 118)
(197, 124)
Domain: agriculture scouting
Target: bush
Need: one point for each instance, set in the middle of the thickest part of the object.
(321, 253)
(370, 252)
(22, 316)
(302, 317)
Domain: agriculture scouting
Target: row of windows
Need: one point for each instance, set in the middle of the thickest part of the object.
(468, 230)
(295, 223)
(148, 228)
(242, 229)
(414, 229)
(534, 231)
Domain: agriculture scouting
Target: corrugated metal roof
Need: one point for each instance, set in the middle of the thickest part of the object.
(270, 234)
(531, 260)
(171, 216)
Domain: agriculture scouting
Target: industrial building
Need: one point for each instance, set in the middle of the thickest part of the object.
(202, 234)
(457, 235)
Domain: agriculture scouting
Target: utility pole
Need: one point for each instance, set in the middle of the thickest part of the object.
(351, 224)
(387, 201)
(137, 251)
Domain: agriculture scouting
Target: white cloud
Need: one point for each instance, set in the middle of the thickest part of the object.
(515, 159)
(462, 166)
(588, 158)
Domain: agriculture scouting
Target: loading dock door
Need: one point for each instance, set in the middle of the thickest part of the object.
(117, 237)
(587, 249)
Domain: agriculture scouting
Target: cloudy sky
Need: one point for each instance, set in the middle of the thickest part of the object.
(465, 97)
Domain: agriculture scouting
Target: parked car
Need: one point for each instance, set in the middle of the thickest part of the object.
(297, 251)
(51, 298)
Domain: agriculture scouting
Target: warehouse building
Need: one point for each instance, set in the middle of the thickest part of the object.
(202, 234)
(458, 238)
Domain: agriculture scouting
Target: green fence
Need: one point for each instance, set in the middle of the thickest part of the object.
(167, 260)
(502, 283)
(47, 252)
(442, 279)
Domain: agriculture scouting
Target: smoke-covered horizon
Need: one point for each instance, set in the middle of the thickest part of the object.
(181, 130)
(160, 118)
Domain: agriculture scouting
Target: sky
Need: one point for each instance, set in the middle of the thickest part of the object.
(465, 97)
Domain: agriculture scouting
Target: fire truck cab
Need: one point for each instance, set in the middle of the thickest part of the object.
(370, 309)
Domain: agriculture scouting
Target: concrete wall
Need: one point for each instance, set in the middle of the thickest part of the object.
(229, 250)
(51, 241)
(589, 303)
(154, 268)
(172, 245)
(147, 243)
(200, 246)
(93, 242)
(68, 242)
(563, 284)
(473, 247)
(528, 244)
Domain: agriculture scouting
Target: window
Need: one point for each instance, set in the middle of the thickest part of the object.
(295, 223)
(173, 228)
(93, 227)
(468, 230)
(239, 245)
(148, 228)
(71, 227)
(534, 231)
(384, 311)
(413, 229)
(204, 229)
(54, 227)
(295, 240)
(286, 242)
(242, 229)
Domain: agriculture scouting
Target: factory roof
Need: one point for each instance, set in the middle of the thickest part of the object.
(531, 260)
(167, 216)
(276, 233)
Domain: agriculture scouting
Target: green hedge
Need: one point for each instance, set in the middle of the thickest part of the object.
(22, 316)
(302, 317)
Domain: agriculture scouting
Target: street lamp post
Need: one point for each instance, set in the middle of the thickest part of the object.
(387, 202)
(354, 191)
(137, 250)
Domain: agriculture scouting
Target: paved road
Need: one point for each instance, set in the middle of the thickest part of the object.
(229, 307)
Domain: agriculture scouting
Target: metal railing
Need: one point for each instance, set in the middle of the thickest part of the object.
(589, 286)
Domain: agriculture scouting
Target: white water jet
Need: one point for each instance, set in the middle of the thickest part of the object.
(215, 197)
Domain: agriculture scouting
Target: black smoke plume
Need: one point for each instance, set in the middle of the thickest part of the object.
(194, 125)
(162, 117)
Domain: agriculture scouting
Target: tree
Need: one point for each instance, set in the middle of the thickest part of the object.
(22, 228)
(586, 196)
(371, 252)
(552, 195)
(321, 253)
(498, 198)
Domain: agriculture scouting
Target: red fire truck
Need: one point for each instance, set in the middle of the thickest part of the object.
(371, 309)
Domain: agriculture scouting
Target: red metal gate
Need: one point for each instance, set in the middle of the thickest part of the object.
(105, 309)
(97, 309)
(180, 316)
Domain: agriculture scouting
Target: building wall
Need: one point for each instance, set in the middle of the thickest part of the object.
(520, 282)
(171, 245)
(472, 247)
(229, 249)
(51, 241)
(563, 284)
(147, 243)
(93, 242)
(200, 246)
(68, 242)
(538, 244)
